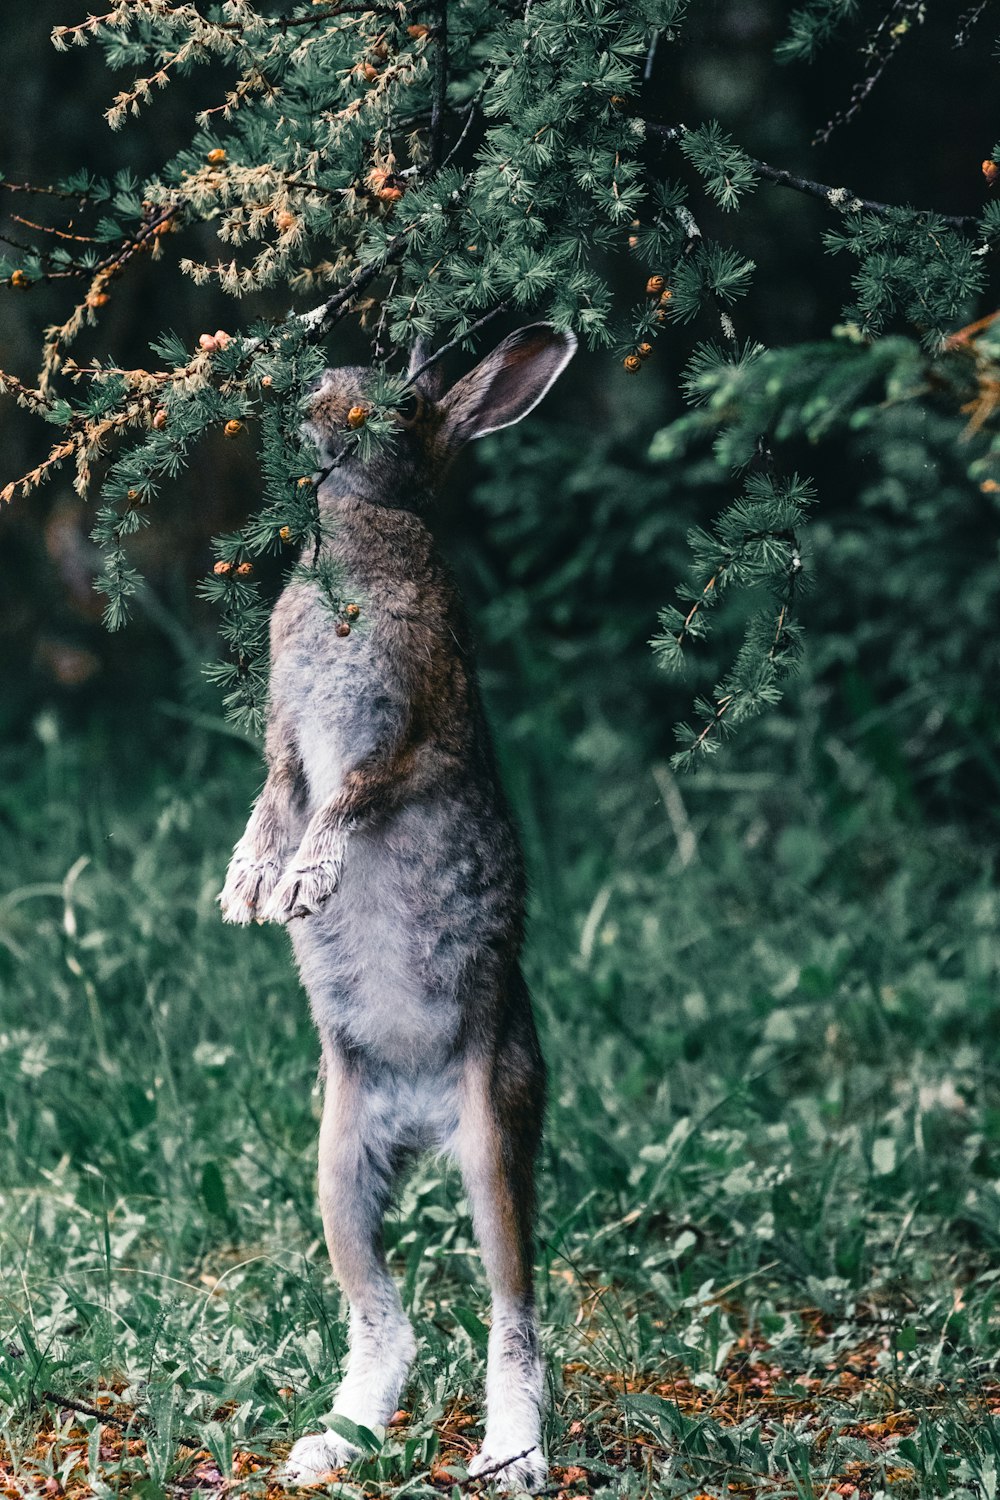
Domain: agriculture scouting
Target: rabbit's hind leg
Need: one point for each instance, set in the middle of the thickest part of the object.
(498, 1137)
(358, 1158)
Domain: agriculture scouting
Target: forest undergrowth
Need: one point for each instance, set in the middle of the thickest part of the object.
(770, 1211)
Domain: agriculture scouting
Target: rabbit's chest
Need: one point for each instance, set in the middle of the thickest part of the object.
(327, 687)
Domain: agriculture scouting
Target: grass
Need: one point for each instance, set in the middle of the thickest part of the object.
(770, 1214)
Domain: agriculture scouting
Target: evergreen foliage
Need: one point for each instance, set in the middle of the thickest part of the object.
(754, 544)
(813, 25)
(425, 170)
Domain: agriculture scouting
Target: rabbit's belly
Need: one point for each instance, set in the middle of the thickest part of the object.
(412, 1109)
(364, 964)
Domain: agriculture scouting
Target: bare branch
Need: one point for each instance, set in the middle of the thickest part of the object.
(440, 86)
(881, 48)
(967, 21)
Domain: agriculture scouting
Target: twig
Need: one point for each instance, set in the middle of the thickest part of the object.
(723, 707)
(849, 202)
(502, 1463)
(321, 319)
(88, 1411)
(647, 71)
(685, 631)
(274, 23)
(284, 23)
(834, 197)
(17, 244)
(47, 192)
(378, 346)
(108, 1418)
(61, 234)
(459, 338)
(967, 21)
(469, 117)
(440, 86)
(130, 246)
(881, 47)
(72, 270)
(26, 395)
(112, 264)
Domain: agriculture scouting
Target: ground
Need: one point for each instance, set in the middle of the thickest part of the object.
(770, 1211)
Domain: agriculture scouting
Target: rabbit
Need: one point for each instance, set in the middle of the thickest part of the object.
(383, 840)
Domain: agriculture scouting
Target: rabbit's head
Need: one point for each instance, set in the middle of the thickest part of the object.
(431, 429)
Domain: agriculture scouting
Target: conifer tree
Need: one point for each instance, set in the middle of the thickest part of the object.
(425, 170)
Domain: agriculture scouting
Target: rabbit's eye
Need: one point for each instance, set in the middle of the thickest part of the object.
(411, 409)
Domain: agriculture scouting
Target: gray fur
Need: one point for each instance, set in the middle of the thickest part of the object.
(382, 838)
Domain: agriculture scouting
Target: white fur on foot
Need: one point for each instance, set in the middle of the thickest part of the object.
(382, 1346)
(525, 1472)
(313, 1457)
(512, 1457)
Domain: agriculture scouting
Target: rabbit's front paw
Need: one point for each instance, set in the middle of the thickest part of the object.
(249, 884)
(302, 890)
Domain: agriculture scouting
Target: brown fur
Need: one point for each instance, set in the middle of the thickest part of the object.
(382, 837)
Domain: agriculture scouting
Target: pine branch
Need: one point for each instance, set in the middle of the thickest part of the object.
(754, 545)
(104, 270)
(849, 202)
(470, 115)
(331, 12)
(841, 198)
(320, 320)
(150, 230)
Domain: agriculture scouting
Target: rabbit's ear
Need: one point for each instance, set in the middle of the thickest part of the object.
(507, 384)
(429, 383)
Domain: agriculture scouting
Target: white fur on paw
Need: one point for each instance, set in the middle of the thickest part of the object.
(313, 1457)
(509, 1471)
(249, 884)
(302, 891)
